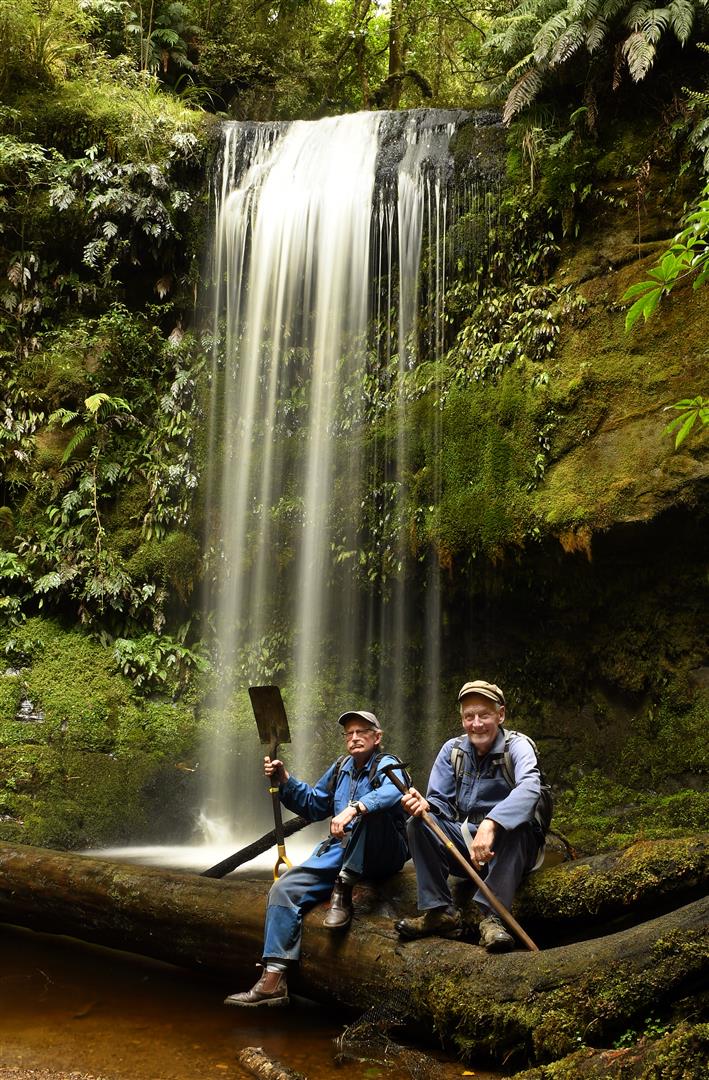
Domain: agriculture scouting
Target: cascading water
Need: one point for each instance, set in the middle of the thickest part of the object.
(322, 312)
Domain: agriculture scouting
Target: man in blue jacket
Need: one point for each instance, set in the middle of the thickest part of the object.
(488, 818)
(367, 838)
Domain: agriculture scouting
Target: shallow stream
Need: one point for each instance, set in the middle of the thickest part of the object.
(82, 1009)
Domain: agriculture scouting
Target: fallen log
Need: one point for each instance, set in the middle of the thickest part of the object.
(683, 1052)
(256, 1061)
(640, 881)
(533, 1006)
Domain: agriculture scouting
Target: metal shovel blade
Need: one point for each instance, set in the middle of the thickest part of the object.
(270, 713)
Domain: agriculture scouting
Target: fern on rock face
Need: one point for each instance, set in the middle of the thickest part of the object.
(542, 35)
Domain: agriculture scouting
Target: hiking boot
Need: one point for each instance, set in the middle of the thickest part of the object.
(339, 916)
(439, 921)
(271, 989)
(493, 935)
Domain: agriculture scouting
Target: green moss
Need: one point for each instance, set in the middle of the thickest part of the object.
(486, 461)
(680, 1054)
(11, 692)
(7, 525)
(598, 814)
(578, 891)
(87, 773)
(174, 561)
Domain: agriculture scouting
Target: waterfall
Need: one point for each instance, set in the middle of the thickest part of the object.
(321, 314)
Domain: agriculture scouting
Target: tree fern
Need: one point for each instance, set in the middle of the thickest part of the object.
(682, 19)
(549, 34)
(570, 42)
(596, 33)
(639, 52)
(523, 92)
(553, 31)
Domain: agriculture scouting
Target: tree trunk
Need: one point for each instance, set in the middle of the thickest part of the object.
(534, 1006)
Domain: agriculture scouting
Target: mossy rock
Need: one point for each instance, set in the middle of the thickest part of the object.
(174, 561)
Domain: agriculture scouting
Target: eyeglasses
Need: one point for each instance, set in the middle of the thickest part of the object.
(356, 732)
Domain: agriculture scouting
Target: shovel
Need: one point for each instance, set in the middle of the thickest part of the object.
(272, 724)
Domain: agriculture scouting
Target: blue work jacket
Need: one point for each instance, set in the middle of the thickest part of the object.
(482, 790)
(317, 802)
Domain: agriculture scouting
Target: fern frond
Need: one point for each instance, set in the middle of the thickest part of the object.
(520, 67)
(596, 33)
(547, 36)
(637, 14)
(583, 10)
(681, 19)
(522, 93)
(76, 441)
(611, 8)
(655, 24)
(569, 43)
(640, 54)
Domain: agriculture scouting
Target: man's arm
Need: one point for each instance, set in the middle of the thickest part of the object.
(313, 803)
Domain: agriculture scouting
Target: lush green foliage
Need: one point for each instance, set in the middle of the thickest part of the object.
(542, 37)
(686, 258)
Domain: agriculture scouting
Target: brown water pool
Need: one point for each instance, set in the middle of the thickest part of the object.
(75, 1008)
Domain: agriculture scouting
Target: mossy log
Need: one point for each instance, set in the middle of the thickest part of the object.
(682, 1053)
(532, 1006)
(640, 881)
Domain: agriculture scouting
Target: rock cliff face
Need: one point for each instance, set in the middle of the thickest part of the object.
(586, 587)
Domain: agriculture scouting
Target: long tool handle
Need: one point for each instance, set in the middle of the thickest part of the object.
(246, 854)
(281, 859)
(499, 907)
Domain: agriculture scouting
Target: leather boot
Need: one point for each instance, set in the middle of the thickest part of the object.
(494, 936)
(271, 989)
(437, 921)
(339, 916)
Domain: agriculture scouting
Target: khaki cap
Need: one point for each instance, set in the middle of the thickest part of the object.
(486, 689)
(354, 713)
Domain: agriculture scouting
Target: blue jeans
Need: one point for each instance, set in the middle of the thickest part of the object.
(375, 849)
(515, 853)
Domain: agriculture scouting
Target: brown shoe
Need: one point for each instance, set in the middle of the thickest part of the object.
(493, 935)
(439, 921)
(339, 916)
(271, 989)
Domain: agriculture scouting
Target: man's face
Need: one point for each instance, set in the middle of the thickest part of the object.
(361, 739)
(481, 719)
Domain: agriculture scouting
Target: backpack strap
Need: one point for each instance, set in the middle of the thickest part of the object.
(335, 776)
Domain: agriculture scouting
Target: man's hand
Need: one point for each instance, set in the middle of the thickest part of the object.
(275, 770)
(338, 823)
(482, 842)
(414, 803)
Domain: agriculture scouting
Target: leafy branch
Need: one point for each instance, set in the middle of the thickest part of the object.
(687, 257)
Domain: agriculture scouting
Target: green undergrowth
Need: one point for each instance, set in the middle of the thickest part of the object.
(87, 109)
(84, 773)
(596, 814)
